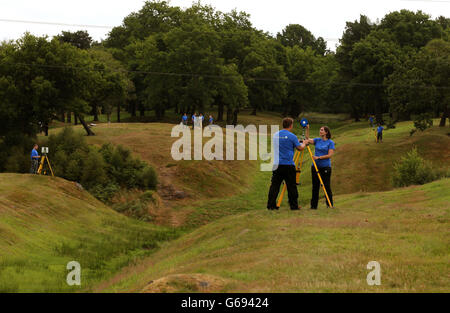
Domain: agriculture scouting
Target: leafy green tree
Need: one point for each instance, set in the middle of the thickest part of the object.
(374, 59)
(264, 77)
(297, 35)
(411, 29)
(420, 84)
(80, 39)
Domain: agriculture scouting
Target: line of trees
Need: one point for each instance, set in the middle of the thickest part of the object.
(196, 59)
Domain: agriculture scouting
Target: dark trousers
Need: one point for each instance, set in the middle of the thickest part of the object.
(34, 166)
(286, 173)
(380, 136)
(325, 173)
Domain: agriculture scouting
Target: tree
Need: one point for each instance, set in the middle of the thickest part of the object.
(40, 79)
(374, 59)
(264, 77)
(420, 84)
(79, 39)
(411, 29)
(297, 35)
(301, 64)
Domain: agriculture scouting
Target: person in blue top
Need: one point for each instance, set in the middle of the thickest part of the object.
(322, 156)
(34, 160)
(194, 119)
(284, 168)
(371, 119)
(211, 120)
(380, 133)
(184, 119)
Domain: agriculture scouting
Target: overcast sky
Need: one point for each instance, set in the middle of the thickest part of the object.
(324, 18)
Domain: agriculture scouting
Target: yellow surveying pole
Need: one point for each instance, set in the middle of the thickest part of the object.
(375, 134)
(320, 178)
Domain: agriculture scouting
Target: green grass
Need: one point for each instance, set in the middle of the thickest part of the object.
(47, 222)
(228, 237)
(254, 250)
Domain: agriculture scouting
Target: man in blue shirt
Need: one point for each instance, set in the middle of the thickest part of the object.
(34, 159)
(380, 133)
(184, 119)
(284, 168)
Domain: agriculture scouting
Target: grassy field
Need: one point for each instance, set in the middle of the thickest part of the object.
(47, 222)
(227, 240)
(253, 250)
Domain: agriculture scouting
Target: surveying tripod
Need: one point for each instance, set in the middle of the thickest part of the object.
(42, 170)
(298, 167)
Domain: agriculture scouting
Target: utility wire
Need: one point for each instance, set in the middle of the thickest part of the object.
(260, 79)
(57, 24)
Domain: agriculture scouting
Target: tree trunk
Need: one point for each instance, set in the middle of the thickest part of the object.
(86, 127)
(63, 117)
(254, 111)
(133, 108)
(444, 117)
(46, 129)
(220, 112)
(95, 112)
(75, 118)
(229, 116)
(235, 117)
(118, 112)
(69, 117)
(141, 110)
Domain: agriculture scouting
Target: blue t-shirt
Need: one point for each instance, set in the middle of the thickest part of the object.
(380, 129)
(322, 147)
(34, 153)
(287, 142)
(184, 118)
(211, 120)
(371, 119)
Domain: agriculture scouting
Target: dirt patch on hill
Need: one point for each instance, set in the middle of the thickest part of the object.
(186, 283)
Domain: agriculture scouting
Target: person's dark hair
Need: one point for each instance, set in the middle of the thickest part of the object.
(287, 122)
(35, 145)
(327, 129)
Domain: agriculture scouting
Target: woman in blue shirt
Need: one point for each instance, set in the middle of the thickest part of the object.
(322, 156)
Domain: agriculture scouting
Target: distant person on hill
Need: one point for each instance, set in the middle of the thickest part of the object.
(34, 160)
(371, 119)
(194, 120)
(322, 156)
(380, 133)
(284, 167)
(211, 120)
(200, 120)
(184, 119)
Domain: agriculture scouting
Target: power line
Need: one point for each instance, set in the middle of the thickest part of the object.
(57, 24)
(260, 79)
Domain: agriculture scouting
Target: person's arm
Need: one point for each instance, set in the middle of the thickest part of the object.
(307, 140)
(301, 146)
(324, 157)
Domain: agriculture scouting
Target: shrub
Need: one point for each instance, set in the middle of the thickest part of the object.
(101, 171)
(414, 170)
(138, 208)
(94, 172)
(148, 178)
(422, 122)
